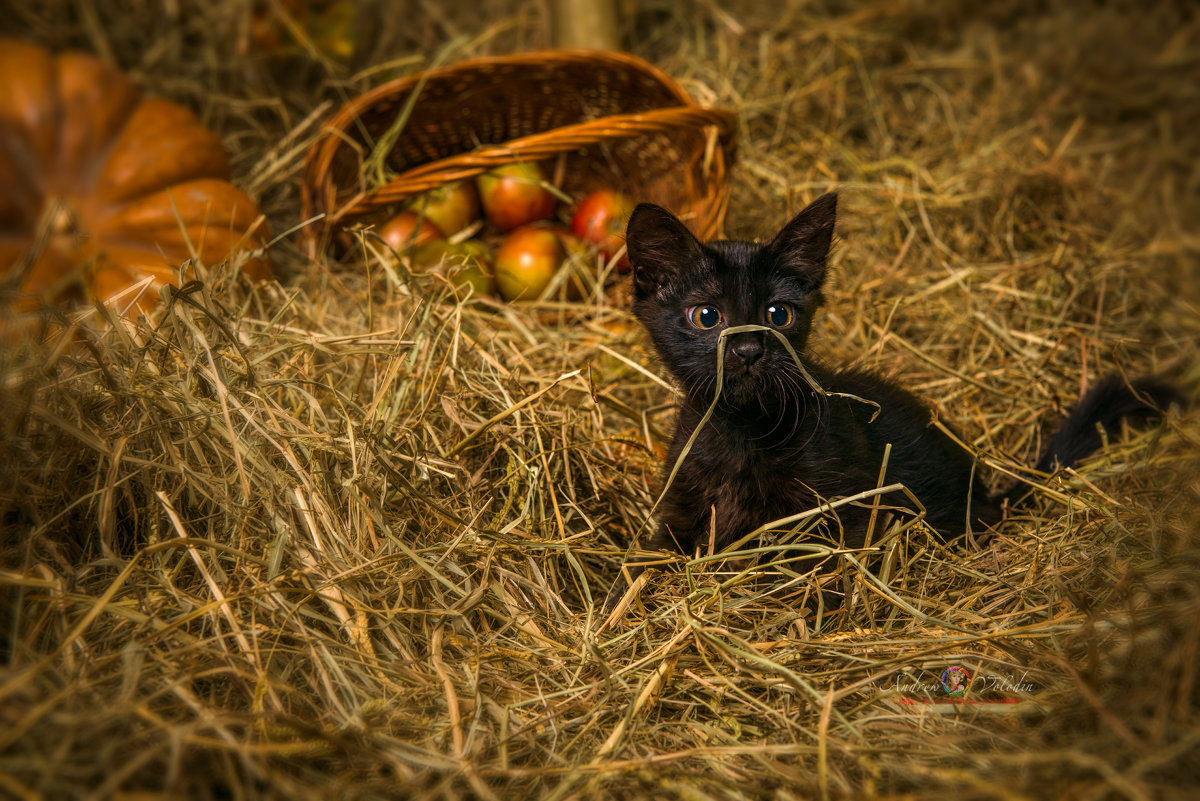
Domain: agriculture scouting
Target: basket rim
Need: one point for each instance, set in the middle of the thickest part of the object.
(534, 147)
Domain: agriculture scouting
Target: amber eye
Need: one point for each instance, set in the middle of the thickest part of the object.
(779, 315)
(705, 316)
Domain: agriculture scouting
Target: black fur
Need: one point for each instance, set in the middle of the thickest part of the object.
(775, 446)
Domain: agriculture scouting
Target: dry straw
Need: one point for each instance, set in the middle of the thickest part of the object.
(346, 536)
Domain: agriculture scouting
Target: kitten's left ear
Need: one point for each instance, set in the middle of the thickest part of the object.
(802, 246)
(660, 248)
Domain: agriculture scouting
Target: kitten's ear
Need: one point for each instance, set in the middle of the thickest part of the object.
(803, 244)
(660, 247)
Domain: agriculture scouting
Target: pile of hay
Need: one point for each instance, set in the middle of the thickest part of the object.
(343, 536)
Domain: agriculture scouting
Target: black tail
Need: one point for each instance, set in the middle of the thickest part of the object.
(1104, 407)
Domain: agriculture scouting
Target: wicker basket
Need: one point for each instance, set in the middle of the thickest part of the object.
(603, 119)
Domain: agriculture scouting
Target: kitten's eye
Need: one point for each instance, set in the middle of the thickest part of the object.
(705, 316)
(779, 315)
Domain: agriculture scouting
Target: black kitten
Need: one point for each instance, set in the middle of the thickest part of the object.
(775, 445)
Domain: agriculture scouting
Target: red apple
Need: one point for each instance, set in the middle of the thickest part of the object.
(514, 195)
(407, 230)
(526, 261)
(600, 219)
(451, 207)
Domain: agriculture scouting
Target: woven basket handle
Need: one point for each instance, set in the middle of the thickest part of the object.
(534, 147)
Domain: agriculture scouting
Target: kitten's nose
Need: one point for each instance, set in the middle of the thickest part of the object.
(748, 348)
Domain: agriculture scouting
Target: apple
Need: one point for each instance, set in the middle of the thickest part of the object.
(431, 256)
(515, 194)
(463, 264)
(451, 207)
(526, 261)
(469, 264)
(442, 255)
(600, 219)
(473, 276)
(407, 230)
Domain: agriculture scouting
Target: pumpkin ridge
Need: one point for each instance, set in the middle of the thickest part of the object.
(115, 208)
(201, 200)
(28, 105)
(143, 245)
(22, 176)
(101, 151)
(162, 144)
(209, 238)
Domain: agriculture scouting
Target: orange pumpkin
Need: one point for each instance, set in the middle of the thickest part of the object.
(102, 187)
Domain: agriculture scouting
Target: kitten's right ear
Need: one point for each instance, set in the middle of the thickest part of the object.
(660, 247)
(803, 245)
